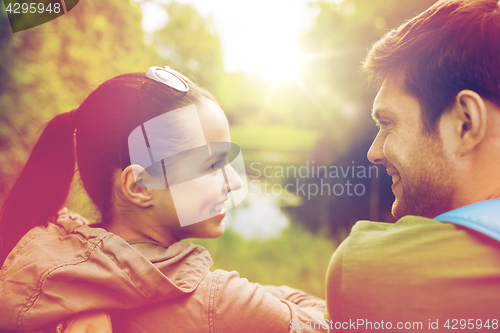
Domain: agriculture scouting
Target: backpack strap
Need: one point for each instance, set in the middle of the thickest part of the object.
(482, 216)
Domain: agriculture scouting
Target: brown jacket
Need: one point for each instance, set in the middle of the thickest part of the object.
(74, 275)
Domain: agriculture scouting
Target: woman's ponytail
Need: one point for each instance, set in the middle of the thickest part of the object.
(43, 185)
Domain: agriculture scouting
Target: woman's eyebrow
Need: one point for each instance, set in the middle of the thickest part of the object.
(214, 156)
(220, 154)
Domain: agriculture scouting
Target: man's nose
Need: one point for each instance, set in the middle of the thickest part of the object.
(376, 151)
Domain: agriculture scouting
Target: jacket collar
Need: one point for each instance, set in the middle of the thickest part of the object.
(483, 216)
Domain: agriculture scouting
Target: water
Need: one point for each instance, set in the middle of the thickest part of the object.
(258, 217)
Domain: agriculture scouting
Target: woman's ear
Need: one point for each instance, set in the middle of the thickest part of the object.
(471, 113)
(130, 181)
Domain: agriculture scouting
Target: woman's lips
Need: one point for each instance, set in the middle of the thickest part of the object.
(218, 207)
(222, 213)
(218, 215)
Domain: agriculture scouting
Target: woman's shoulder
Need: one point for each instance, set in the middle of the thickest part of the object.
(90, 269)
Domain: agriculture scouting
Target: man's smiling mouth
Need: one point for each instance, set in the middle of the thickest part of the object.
(396, 178)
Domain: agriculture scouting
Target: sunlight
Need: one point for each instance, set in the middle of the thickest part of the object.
(267, 50)
(154, 18)
(278, 60)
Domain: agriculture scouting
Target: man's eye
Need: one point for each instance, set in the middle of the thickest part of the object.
(382, 124)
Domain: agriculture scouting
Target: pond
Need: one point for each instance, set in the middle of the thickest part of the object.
(258, 217)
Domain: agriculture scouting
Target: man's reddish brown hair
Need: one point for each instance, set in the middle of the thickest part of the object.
(452, 46)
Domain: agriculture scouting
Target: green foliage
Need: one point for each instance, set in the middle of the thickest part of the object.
(241, 99)
(274, 138)
(337, 44)
(297, 259)
(190, 45)
(50, 69)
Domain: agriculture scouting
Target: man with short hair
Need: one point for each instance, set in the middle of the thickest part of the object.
(438, 108)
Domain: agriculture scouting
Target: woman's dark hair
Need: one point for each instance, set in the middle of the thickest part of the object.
(101, 122)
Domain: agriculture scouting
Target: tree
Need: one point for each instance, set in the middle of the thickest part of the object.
(51, 68)
(189, 44)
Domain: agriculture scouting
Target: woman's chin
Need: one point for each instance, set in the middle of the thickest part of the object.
(214, 227)
(209, 228)
(216, 232)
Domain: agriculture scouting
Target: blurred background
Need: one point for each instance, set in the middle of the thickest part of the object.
(287, 74)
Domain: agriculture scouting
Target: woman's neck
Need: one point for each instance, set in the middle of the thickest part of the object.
(133, 227)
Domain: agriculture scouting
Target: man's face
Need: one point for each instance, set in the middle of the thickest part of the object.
(417, 162)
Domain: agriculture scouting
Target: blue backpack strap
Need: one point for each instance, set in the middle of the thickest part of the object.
(483, 217)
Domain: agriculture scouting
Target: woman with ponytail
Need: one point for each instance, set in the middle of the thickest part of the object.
(43, 184)
(154, 155)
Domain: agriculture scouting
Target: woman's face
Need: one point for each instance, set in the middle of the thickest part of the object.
(193, 204)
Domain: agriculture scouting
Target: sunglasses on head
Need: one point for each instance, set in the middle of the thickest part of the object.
(171, 78)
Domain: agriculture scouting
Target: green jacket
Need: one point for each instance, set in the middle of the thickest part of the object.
(416, 270)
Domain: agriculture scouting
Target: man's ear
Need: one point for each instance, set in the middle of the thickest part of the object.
(471, 113)
(140, 196)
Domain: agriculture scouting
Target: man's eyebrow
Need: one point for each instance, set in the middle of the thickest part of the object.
(381, 113)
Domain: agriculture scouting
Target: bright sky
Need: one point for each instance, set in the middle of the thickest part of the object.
(259, 37)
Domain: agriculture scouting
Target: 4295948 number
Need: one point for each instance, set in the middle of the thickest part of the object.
(470, 324)
(33, 8)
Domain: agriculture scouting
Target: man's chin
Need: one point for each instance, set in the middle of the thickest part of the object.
(397, 210)
(402, 208)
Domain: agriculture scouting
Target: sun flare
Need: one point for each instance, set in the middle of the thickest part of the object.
(279, 60)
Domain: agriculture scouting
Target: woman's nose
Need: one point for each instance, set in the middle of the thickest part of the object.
(233, 179)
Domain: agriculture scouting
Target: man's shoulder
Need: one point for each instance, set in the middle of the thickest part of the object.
(410, 262)
(416, 237)
(406, 228)
(404, 224)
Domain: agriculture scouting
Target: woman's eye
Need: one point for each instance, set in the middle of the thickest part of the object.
(216, 165)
